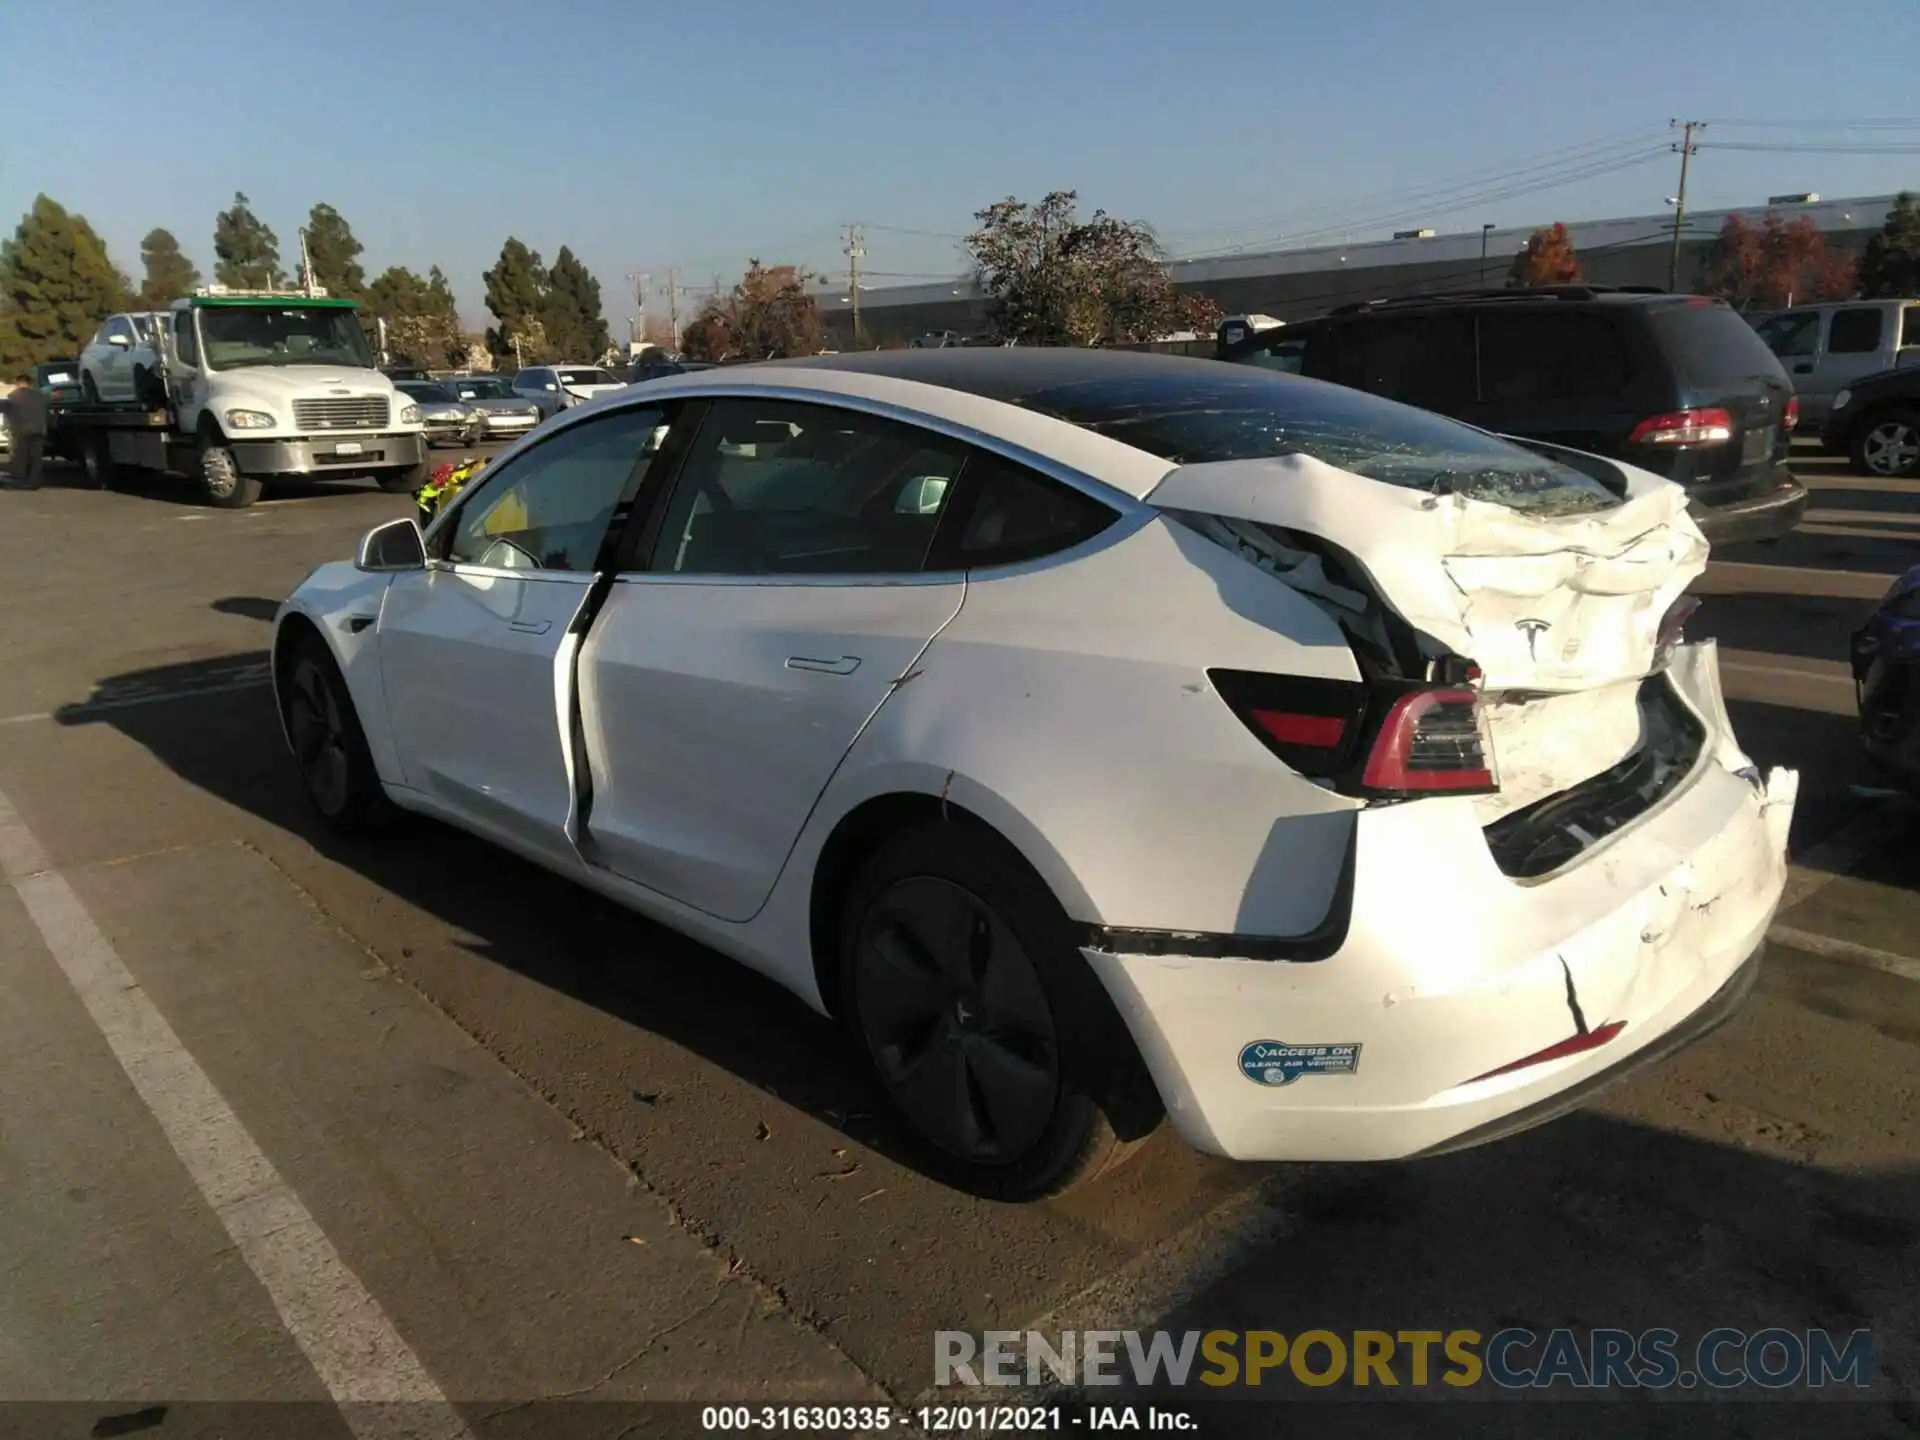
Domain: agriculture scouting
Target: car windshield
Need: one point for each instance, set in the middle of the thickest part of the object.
(429, 394)
(488, 389)
(586, 377)
(1258, 415)
(234, 337)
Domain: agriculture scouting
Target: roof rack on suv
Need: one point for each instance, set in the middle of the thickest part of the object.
(1506, 293)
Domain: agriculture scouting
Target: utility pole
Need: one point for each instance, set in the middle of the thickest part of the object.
(1686, 147)
(1485, 231)
(673, 306)
(856, 248)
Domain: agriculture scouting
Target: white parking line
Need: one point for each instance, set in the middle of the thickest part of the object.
(1847, 952)
(382, 1389)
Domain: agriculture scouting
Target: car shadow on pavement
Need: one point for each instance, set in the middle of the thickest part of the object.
(223, 736)
(1594, 1222)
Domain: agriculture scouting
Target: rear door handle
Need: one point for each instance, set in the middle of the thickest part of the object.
(845, 665)
(530, 627)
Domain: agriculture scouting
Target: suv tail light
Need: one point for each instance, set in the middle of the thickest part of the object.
(1386, 740)
(1684, 427)
(1790, 417)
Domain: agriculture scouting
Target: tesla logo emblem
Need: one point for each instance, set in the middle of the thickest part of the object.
(1533, 630)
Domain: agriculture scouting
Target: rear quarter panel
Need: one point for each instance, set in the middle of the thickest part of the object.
(1067, 704)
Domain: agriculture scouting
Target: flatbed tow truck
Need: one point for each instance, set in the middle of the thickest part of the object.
(248, 387)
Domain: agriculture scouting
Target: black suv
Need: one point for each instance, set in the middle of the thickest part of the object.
(1676, 384)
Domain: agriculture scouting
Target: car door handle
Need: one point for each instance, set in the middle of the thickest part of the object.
(530, 627)
(845, 665)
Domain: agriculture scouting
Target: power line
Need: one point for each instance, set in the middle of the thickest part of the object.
(1814, 148)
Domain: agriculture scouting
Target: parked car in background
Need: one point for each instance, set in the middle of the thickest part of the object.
(1886, 664)
(120, 363)
(1456, 754)
(559, 387)
(59, 381)
(1680, 385)
(653, 367)
(503, 414)
(1825, 348)
(1875, 422)
(448, 419)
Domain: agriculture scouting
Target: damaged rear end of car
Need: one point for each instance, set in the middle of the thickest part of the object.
(1564, 864)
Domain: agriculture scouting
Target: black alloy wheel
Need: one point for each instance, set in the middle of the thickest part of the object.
(956, 1020)
(336, 768)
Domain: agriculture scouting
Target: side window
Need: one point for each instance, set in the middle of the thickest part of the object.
(1854, 332)
(776, 488)
(1528, 355)
(550, 508)
(1424, 360)
(1013, 514)
(1792, 336)
(184, 344)
(1910, 328)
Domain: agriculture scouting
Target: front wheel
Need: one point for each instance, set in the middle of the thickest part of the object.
(1888, 445)
(222, 479)
(408, 481)
(96, 459)
(992, 1039)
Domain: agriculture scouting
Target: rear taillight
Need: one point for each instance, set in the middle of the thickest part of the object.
(1431, 742)
(1390, 740)
(1684, 427)
(1790, 417)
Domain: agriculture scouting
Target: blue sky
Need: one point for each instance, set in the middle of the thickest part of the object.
(647, 135)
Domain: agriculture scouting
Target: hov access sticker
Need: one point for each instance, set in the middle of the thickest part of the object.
(1274, 1062)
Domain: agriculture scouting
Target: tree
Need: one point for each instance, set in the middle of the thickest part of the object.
(516, 294)
(57, 284)
(169, 274)
(1053, 279)
(423, 324)
(246, 252)
(1547, 259)
(571, 310)
(768, 315)
(1774, 264)
(1890, 265)
(334, 252)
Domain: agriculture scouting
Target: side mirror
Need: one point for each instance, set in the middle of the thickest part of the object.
(396, 545)
(119, 342)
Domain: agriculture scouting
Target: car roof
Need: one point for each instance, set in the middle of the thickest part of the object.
(976, 391)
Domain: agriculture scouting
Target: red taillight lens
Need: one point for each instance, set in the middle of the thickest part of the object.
(1572, 1045)
(1790, 419)
(1431, 742)
(1317, 732)
(1684, 427)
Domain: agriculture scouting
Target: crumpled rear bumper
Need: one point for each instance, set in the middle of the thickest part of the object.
(1405, 1040)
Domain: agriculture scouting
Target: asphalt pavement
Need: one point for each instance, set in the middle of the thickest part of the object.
(285, 1119)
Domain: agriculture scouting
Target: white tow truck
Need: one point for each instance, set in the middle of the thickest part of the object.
(248, 387)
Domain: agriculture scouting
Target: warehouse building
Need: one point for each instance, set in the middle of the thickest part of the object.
(1299, 284)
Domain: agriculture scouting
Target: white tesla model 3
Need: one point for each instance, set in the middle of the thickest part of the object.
(1098, 735)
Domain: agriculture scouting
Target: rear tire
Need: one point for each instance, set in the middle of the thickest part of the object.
(323, 730)
(995, 1045)
(89, 391)
(96, 459)
(221, 477)
(1888, 445)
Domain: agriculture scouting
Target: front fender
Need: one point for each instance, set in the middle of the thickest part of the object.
(342, 604)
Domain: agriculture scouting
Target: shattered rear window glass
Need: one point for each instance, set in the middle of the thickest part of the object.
(1207, 417)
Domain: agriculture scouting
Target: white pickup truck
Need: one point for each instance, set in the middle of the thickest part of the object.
(253, 387)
